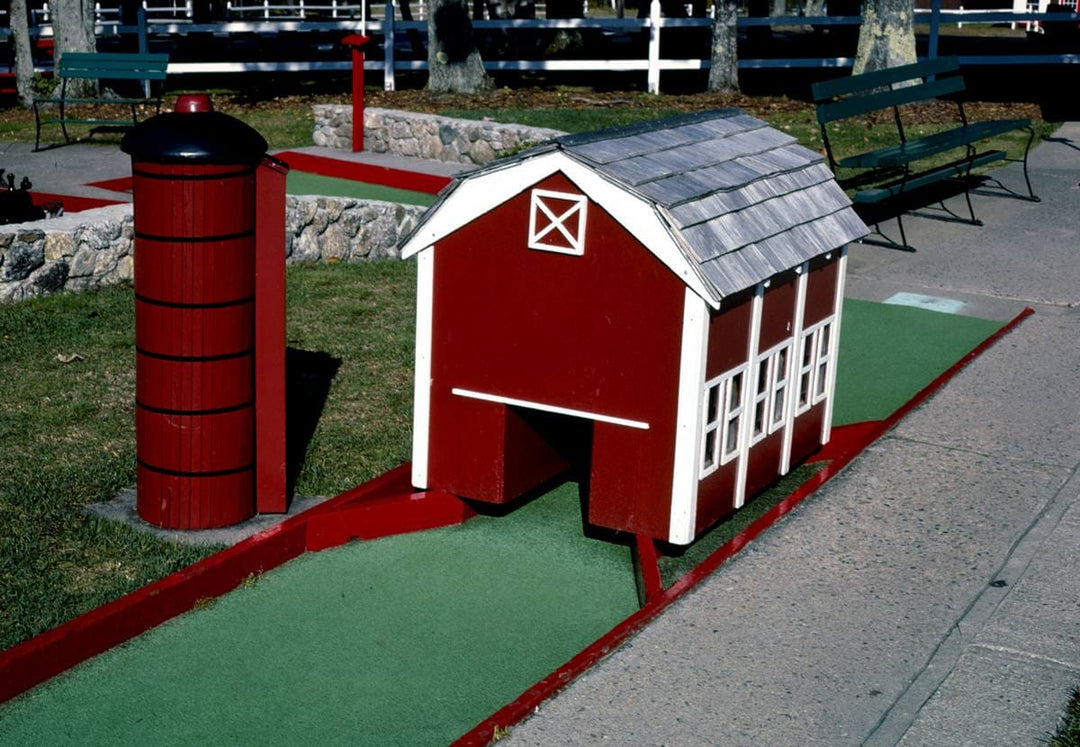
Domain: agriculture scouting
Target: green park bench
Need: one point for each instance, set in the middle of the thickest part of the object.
(887, 173)
(101, 67)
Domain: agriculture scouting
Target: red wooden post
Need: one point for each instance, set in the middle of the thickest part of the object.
(270, 492)
(357, 42)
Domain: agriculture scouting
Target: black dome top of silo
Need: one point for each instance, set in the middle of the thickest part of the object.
(202, 137)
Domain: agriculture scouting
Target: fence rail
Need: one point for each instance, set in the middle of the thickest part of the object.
(394, 31)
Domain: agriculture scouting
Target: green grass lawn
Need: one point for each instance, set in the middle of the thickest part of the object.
(68, 430)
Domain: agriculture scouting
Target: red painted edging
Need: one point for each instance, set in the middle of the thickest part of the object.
(851, 440)
(44, 656)
(121, 184)
(72, 204)
(365, 172)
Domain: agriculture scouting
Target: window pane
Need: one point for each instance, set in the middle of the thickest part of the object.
(735, 391)
(825, 339)
(763, 376)
(732, 435)
(804, 388)
(823, 370)
(807, 350)
(709, 458)
(712, 410)
(778, 406)
(781, 364)
(759, 417)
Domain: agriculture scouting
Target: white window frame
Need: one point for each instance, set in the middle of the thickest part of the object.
(578, 203)
(765, 394)
(780, 386)
(823, 361)
(723, 450)
(806, 369)
(819, 355)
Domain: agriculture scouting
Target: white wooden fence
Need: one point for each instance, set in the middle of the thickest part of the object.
(158, 19)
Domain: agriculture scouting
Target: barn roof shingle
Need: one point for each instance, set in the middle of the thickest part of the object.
(744, 200)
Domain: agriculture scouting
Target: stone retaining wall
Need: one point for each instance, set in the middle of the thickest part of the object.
(424, 135)
(94, 248)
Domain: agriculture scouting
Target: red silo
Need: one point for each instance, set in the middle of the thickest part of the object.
(194, 173)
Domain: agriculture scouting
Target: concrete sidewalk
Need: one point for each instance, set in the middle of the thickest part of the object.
(930, 594)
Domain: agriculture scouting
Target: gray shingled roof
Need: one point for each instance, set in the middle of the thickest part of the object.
(744, 200)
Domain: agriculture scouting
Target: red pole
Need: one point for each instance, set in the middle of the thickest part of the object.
(357, 42)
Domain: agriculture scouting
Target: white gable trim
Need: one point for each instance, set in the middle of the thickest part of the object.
(477, 195)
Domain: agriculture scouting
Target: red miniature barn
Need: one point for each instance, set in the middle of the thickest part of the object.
(655, 306)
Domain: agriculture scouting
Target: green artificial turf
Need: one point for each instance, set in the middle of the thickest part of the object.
(406, 640)
(890, 353)
(304, 183)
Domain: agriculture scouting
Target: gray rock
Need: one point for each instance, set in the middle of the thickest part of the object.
(51, 277)
(23, 259)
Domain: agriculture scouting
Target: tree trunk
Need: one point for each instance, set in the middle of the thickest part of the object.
(887, 35)
(724, 72)
(454, 63)
(24, 53)
(73, 31)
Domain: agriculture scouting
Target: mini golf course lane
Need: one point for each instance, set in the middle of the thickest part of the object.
(414, 639)
(410, 640)
(889, 353)
(304, 183)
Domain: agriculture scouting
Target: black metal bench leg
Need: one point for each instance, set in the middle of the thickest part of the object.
(967, 193)
(903, 235)
(1027, 148)
(888, 242)
(37, 128)
(63, 125)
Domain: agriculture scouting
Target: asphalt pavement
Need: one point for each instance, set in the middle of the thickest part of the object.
(930, 593)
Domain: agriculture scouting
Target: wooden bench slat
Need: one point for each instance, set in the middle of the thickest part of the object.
(829, 89)
(857, 105)
(123, 102)
(931, 145)
(951, 170)
(115, 74)
(70, 120)
(109, 56)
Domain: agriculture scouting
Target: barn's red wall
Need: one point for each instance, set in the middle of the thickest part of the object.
(599, 333)
(764, 463)
(807, 436)
(820, 290)
(778, 310)
(729, 334)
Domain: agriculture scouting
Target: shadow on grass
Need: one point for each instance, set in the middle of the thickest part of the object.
(308, 376)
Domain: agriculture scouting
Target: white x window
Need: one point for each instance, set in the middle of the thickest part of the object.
(557, 222)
